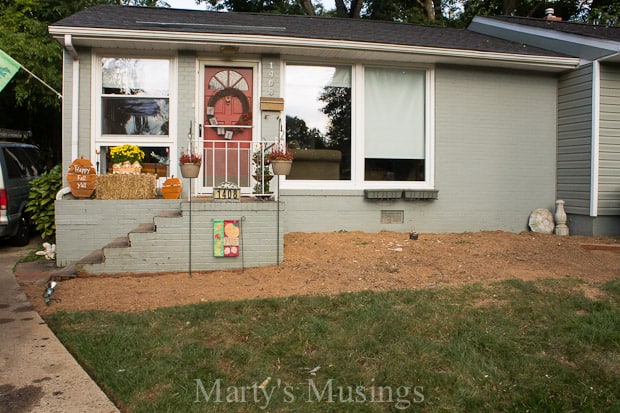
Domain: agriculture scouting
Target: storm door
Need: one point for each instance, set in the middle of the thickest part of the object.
(227, 126)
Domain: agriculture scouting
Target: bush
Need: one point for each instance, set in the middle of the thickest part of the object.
(41, 199)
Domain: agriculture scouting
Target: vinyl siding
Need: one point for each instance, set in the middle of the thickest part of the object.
(609, 141)
(574, 140)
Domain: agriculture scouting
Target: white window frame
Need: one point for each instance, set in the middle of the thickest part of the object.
(99, 140)
(357, 181)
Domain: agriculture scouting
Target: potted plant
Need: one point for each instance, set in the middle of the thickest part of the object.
(126, 159)
(190, 164)
(281, 160)
(262, 175)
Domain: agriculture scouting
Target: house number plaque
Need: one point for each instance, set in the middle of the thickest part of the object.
(227, 191)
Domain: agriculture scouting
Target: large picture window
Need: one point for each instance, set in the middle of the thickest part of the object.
(135, 96)
(318, 121)
(394, 127)
(365, 126)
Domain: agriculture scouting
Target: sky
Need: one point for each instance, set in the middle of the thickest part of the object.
(191, 4)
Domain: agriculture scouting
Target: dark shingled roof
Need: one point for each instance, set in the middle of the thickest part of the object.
(588, 30)
(335, 29)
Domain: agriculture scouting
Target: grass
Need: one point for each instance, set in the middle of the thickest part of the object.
(30, 257)
(519, 346)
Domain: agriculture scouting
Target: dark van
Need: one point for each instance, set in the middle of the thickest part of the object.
(19, 164)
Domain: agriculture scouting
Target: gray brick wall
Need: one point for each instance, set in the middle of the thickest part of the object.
(495, 155)
(83, 226)
(87, 225)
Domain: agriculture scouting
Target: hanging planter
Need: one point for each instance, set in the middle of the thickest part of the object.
(190, 164)
(190, 170)
(281, 167)
(281, 160)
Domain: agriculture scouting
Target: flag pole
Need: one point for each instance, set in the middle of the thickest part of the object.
(42, 81)
(10, 67)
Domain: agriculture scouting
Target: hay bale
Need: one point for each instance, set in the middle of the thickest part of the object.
(126, 186)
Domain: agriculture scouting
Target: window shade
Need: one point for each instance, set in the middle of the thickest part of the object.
(394, 113)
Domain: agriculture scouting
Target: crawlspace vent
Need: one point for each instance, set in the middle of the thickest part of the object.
(392, 216)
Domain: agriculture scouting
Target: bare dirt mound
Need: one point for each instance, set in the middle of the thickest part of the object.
(330, 263)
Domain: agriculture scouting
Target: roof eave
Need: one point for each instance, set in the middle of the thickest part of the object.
(568, 43)
(180, 40)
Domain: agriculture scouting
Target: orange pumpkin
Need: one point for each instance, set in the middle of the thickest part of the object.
(171, 188)
(82, 178)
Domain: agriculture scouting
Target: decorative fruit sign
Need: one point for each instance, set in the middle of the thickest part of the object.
(226, 238)
(82, 178)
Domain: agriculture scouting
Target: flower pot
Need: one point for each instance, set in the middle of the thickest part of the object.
(281, 167)
(126, 168)
(190, 170)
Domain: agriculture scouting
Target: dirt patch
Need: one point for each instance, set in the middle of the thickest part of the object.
(329, 263)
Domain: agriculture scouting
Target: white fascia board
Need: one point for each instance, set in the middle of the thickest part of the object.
(596, 48)
(177, 38)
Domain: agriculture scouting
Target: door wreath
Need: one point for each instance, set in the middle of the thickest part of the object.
(244, 119)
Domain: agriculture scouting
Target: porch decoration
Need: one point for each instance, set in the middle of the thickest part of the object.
(82, 178)
(227, 191)
(126, 159)
(171, 188)
(281, 160)
(262, 175)
(541, 220)
(560, 219)
(190, 162)
(126, 186)
(226, 238)
(245, 119)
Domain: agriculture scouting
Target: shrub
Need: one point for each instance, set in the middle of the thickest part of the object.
(41, 200)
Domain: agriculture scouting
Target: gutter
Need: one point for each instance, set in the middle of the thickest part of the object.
(75, 85)
(175, 38)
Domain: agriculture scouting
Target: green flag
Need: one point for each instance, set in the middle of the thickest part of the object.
(8, 68)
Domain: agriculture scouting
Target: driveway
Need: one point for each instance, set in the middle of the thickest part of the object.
(37, 374)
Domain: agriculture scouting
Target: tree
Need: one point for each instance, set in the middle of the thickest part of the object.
(338, 109)
(25, 103)
(305, 138)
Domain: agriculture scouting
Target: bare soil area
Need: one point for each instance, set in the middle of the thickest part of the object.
(331, 263)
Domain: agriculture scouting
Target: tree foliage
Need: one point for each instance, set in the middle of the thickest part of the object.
(440, 12)
(25, 103)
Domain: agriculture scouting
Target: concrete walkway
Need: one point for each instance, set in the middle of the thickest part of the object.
(37, 374)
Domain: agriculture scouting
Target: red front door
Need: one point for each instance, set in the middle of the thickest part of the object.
(227, 125)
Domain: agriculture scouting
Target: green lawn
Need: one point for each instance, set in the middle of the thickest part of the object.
(515, 346)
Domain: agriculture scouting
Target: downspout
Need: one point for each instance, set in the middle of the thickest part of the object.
(594, 163)
(75, 87)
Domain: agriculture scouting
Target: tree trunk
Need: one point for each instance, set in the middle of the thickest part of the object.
(356, 8)
(429, 8)
(307, 6)
(341, 9)
(508, 6)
